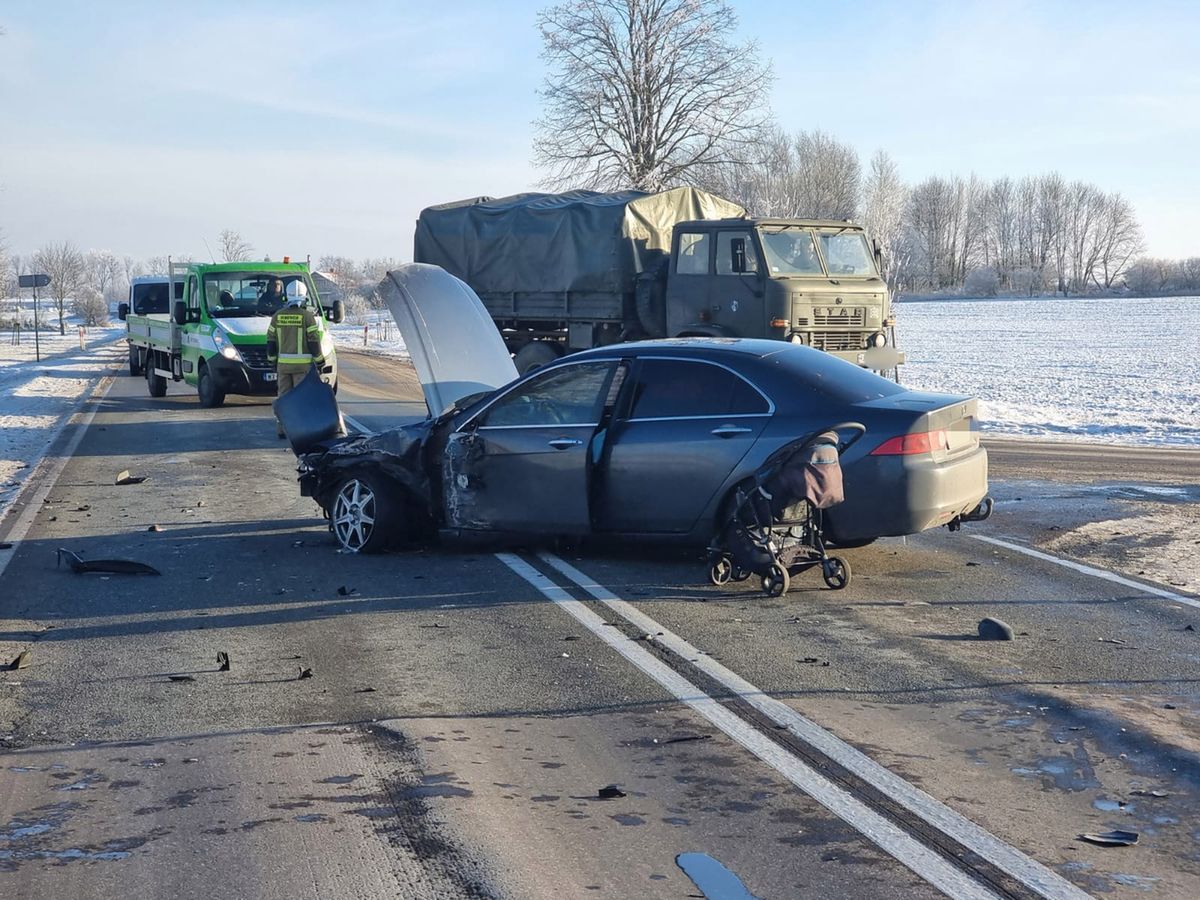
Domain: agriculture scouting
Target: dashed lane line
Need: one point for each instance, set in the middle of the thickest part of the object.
(1092, 571)
(885, 834)
(1035, 876)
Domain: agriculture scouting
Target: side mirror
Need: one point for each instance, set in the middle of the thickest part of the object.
(122, 311)
(339, 312)
(737, 247)
(180, 315)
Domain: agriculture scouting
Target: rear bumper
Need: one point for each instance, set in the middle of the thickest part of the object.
(898, 495)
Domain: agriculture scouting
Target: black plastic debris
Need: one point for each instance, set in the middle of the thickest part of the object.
(994, 630)
(685, 739)
(610, 792)
(304, 673)
(6, 545)
(1116, 838)
(223, 664)
(123, 477)
(366, 690)
(108, 566)
(181, 678)
(155, 528)
(22, 661)
(344, 591)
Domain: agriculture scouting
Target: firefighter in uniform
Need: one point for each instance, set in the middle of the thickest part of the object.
(293, 342)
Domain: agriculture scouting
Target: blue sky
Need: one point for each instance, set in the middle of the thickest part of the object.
(146, 128)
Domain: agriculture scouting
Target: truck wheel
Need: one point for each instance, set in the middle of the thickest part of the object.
(157, 384)
(534, 355)
(206, 387)
(135, 367)
(365, 513)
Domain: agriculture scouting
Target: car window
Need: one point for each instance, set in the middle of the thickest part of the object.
(725, 247)
(693, 254)
(571, 395)
(671, 389)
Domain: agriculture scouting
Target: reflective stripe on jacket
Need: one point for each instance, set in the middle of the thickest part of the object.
(294, 338)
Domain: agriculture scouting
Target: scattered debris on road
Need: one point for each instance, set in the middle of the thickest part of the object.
(610, 792)
(109, 566)
(22, 661)
(365, 690)
(223, 664)
(994, 630)
(1105, 640)
(344, 591)
(304, 673)
(123, 477)
(181, 678)
(685, 739)
(1155, 794)
(6, 545)
(1111, 838)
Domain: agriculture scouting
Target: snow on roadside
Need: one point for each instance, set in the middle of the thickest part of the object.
(36, 397)
(378, 335)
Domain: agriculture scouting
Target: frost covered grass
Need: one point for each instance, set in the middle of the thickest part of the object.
(377, 334)
(1115, 370)
(37, 397)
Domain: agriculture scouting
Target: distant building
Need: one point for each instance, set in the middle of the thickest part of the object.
(328, 287)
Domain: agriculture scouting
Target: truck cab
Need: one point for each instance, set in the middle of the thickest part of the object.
(215, 337)
(808, 281)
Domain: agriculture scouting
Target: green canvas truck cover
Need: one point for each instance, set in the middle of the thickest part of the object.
(581, 241)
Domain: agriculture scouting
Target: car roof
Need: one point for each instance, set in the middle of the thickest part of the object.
(692, 346)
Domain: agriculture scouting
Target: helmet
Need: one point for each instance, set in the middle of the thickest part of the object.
(297, 292)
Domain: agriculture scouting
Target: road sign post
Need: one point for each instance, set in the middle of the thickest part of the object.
(35, 282)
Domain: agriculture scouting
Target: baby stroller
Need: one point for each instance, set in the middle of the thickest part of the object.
(774, 528)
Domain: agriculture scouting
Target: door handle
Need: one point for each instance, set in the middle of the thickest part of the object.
(726, 431)
(564, 443)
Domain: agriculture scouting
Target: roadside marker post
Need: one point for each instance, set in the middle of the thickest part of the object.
(35, 282)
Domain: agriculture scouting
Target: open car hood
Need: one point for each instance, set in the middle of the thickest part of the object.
(452, 340)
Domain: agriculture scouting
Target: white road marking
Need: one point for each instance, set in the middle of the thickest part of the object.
(1028, 871)
(1090, 570)
(925, 862)
(47, 471)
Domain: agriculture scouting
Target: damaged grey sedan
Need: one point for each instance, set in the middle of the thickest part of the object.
(637, 440)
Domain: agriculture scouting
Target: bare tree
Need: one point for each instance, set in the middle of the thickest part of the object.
(66, 267)
(233, 247)
(828, 175)
(883, 201)
(90, 306)
(105, 271)
(642, 92)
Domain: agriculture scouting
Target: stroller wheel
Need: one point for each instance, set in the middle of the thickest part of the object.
(721, 571)
(777, 581)
(836, 572)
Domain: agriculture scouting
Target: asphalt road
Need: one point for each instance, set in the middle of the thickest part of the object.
(467, 704)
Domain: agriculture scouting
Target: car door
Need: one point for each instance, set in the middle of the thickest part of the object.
(688, 423)
(522, 464)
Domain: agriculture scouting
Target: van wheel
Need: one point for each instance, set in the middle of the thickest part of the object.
(206, 387)
(365, 513)
(156, 384)
(135, 367)
(534, 355)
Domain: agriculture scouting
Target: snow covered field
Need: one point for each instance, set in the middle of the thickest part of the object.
(1116, 370)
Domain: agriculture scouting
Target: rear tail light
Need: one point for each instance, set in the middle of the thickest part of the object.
(910, 444)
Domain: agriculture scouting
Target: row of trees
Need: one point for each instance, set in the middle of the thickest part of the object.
(652, 94)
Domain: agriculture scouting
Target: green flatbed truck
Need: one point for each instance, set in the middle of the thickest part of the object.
(215, 337)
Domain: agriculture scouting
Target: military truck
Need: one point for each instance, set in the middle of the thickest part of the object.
(215, 337)
(563, 272)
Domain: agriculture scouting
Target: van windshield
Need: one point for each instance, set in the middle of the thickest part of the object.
(234, 294)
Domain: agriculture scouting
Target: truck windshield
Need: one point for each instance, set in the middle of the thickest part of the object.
(847, 253)
(790, 251)
(232, 294)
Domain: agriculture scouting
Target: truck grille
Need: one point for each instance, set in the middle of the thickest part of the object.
(840, 317)
(255, 356)
(837, 340)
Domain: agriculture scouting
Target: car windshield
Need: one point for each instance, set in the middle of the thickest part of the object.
(833, 377)
(847, 253)
(790, 251)
(231, 294)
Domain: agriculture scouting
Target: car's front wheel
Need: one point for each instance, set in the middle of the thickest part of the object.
(365, 511)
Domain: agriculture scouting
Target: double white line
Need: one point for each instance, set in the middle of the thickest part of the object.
(889, 837)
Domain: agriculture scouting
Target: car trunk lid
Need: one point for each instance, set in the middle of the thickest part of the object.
(455, 347)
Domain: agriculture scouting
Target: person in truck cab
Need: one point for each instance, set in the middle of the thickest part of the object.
(272, 298)
(293, 342)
